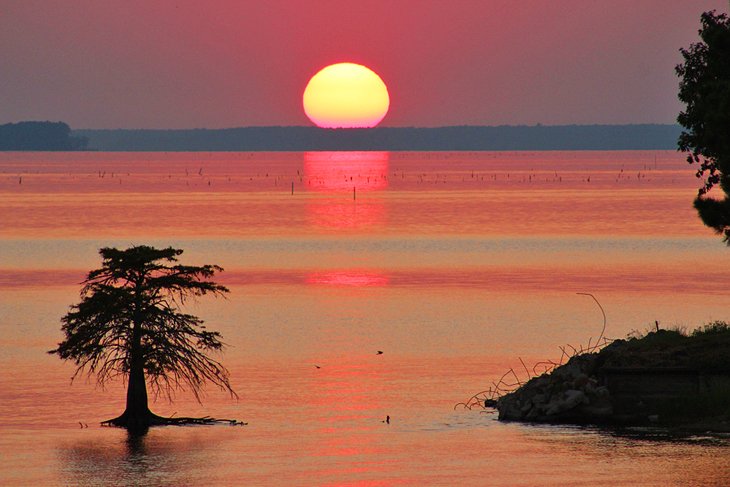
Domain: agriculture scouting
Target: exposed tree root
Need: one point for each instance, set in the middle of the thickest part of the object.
(141, 423)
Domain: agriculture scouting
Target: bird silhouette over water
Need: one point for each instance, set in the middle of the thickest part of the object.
(387, 420)
(379, 352)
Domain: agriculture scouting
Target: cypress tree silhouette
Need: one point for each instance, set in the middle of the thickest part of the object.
(129, 324)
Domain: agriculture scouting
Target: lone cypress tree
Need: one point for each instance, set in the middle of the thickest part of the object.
(128, 324)
(705, 89)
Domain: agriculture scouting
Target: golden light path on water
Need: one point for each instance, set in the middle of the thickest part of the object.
(454, 264)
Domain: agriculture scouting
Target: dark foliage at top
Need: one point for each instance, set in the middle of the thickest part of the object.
(39, 136)
(705, 89)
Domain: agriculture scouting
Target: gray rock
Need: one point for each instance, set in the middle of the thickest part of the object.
(570, 399)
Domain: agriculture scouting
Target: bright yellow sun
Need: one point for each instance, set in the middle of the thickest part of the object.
(346, 95)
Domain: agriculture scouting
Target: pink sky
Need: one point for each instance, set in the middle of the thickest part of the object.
(230, 63)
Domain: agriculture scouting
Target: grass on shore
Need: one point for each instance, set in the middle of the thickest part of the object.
(706, 349)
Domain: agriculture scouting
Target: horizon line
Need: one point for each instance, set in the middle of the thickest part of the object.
(363, 129)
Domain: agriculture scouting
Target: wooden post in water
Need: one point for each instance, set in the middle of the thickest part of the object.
(292, 187)
(353, 193)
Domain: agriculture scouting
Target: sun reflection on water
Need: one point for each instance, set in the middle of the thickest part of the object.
(345, 183)
(334, 172)
(348, 278)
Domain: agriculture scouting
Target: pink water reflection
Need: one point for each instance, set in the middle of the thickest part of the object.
(348, 278)
(346, 215)
(125, 195)
(345, 183)
(472, 261)
(341, 176)
(335, 172)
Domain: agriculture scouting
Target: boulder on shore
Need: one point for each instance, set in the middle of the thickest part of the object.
(572, 393)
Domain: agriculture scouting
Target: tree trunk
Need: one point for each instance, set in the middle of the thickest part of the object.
(137, 416)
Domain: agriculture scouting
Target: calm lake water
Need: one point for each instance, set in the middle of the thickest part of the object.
(455, 265)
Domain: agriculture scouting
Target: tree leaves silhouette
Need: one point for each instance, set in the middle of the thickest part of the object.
(705, 90)
(128, 324)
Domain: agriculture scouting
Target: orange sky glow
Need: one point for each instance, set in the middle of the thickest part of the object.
(187, 64)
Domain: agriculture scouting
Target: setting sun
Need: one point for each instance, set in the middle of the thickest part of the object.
(346, 95)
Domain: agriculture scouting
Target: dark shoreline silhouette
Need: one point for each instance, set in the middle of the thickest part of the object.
(40, 136)
(667, 378)
(457, 138)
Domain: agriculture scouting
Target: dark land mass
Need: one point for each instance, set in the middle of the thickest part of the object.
(461, 138)
(40, 136)
(664, 378)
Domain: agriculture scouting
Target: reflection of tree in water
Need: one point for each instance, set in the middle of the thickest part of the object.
(137, 452)
(127, 459)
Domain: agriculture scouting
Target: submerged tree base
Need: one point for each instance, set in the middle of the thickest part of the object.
(140, 423)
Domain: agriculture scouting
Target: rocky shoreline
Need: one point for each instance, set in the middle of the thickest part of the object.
(663, 378)
(571, 393)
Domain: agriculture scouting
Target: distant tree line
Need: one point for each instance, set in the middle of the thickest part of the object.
(538, 137)
(40, 136)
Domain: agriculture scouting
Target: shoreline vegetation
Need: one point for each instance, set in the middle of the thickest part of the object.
(455, 138)
(665, 378)
(40, 136)
(57, 136)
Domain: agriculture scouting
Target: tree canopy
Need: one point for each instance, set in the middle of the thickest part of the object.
(41, 136)
(705, 90)
(128, 324)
